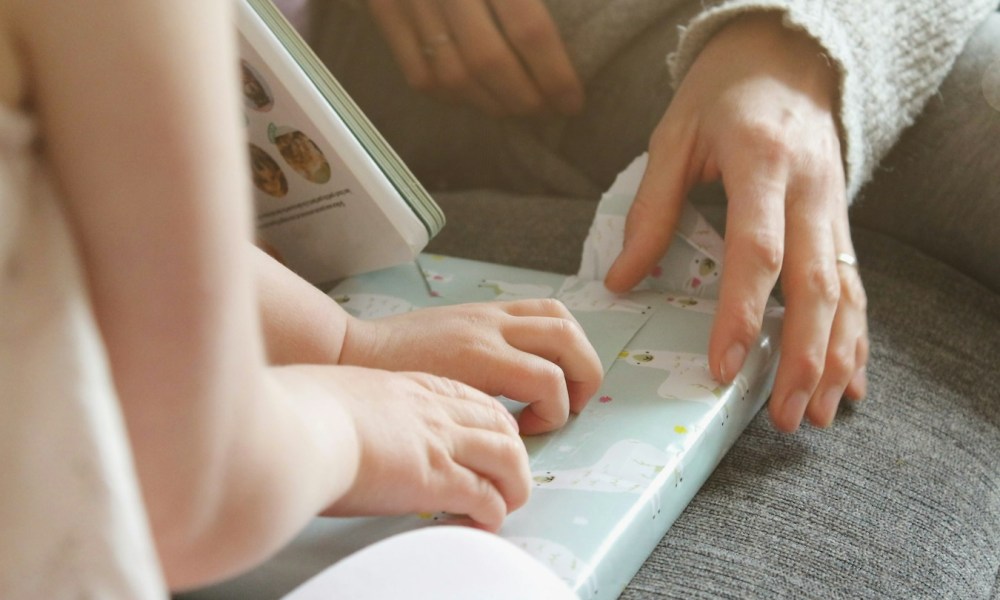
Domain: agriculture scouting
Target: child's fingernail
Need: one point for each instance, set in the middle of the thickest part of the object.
(732, 362)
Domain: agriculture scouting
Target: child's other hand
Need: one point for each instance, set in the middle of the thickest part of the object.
(430, 444)
(531, 351)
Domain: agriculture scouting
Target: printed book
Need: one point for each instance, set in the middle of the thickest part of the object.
(332, 198)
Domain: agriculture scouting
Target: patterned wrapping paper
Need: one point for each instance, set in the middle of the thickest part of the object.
(610, 483)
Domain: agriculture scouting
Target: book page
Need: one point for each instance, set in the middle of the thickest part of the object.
(324, 207)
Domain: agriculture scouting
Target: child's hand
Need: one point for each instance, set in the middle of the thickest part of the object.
(532, 351)
(430, 444)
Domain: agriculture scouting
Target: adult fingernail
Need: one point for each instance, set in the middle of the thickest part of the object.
(797, 402)
(859, 385)
(788, 415)
(732, 362)
(831, 399)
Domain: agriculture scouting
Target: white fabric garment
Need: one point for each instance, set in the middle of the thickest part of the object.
(437, 563)
(72, 523)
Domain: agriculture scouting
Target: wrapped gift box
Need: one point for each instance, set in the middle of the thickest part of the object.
(610, 483)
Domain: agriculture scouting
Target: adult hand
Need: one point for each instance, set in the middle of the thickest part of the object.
(532, 351)
(757, 109)
(429, 444)
(505, 57)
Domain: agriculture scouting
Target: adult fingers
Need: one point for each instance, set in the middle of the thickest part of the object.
(489, 58)
(531, 31)
(847, 348)
(811, 288)
(853, 295)
(847, 354)
(447, 67)
(653, 215)
(857, 388)
(753, 259)
(393, 19)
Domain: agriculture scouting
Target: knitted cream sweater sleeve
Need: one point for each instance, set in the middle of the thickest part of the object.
(891, 55)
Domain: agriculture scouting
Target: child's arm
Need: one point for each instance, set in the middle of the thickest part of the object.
(301, 323)
(532, 351)
(138, 104)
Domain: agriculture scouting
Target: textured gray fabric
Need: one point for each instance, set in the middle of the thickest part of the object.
(952, 214)
(535, 232)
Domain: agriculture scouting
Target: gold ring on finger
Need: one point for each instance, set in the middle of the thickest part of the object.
(843, 258)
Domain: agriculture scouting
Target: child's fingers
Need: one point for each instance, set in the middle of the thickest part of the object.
(564, 344)
(531, 380)
(465, 492)
(520, 376)
(537, 307)
(470, 407)
(486, 475)
(541, 385)
(500, 459)
(545, 361)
